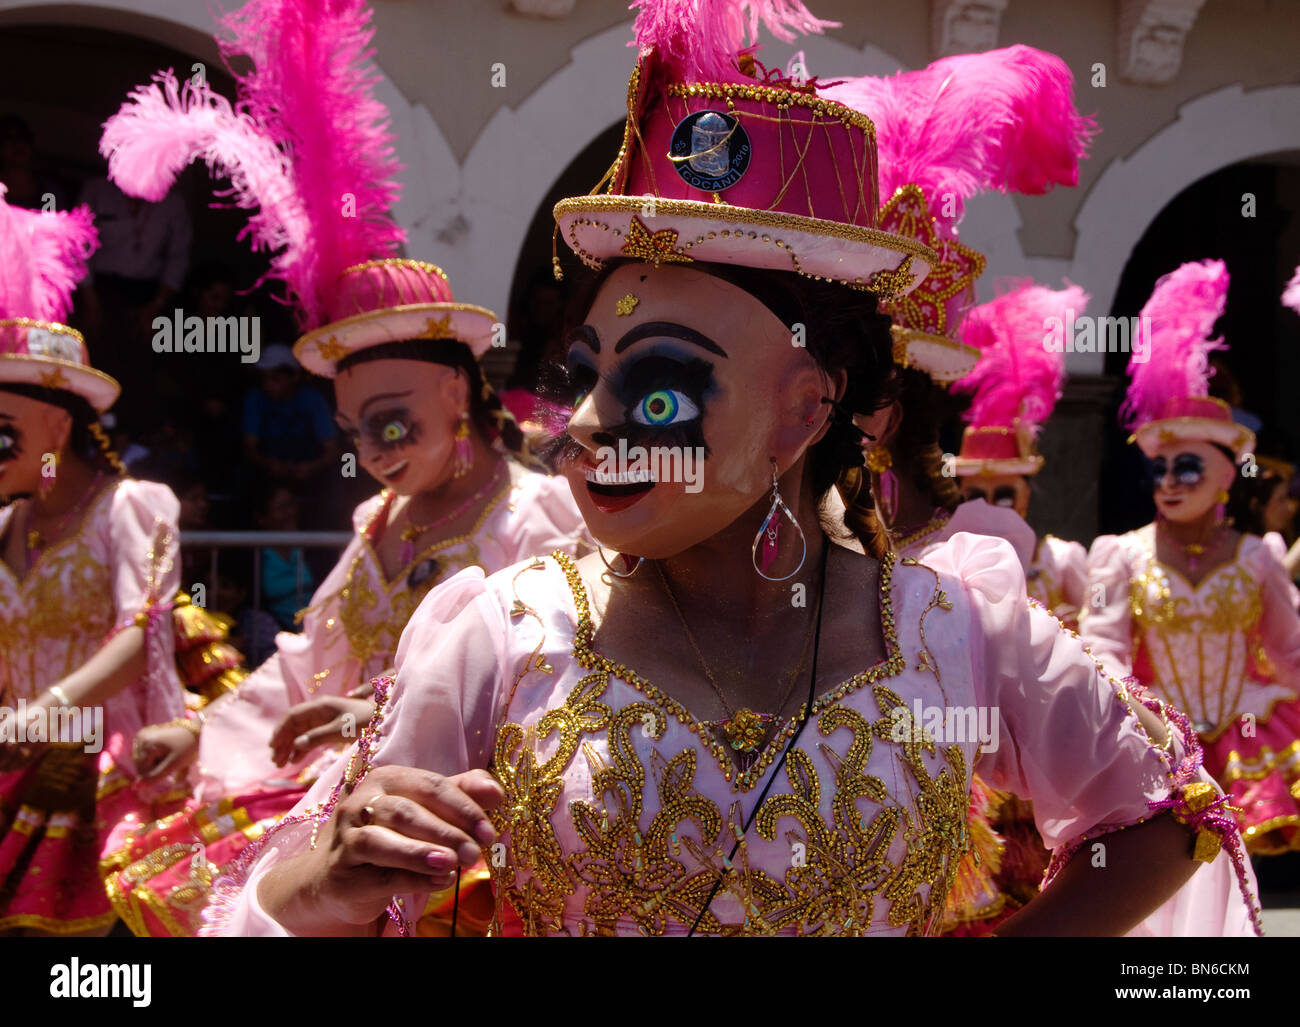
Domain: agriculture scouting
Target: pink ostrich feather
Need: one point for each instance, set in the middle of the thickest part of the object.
(1180, 314)
(308, 144)
(43, 255)
(1291, 294)
(700, 39)
(1018, 376)
(1001, 120)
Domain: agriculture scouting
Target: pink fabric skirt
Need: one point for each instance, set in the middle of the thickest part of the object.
(1262, 777)
(57, 811)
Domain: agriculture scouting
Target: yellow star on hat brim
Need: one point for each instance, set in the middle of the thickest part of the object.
(653, 247)
(331, 349)
(55, 379)
(438, 328)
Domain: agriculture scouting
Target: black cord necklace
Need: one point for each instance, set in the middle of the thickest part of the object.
(776, 770)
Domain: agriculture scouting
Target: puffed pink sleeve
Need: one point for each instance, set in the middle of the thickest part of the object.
(546, 519)
(1068, 740)
(1072, 568)
(1276, 547)
(1104, 616)
(312, 663)
(437, 715)
(1279, 625)
(143, 554)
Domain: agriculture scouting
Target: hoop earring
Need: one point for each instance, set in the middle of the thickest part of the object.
(622, 556)
(766, 539)
(462, 449)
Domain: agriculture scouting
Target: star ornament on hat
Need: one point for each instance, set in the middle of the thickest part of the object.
(43, 256)
(1168, 398)
(307, 131)
(721, 163)
(1017, 379)
(1003, 120)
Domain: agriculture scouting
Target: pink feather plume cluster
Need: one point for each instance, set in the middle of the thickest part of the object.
(1291, 294)
(43, 256)
(307, 145)
(1181, 313)
(1018, 376)
(700, 39)
(1002, 120)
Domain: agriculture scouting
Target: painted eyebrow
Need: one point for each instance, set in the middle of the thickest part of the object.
(584, 333)
(379, 397)
(672, 330)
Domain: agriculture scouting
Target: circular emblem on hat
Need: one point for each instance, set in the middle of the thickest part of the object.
(710, 150)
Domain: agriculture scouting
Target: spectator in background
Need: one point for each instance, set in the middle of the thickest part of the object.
(24, 185)
(144, 251)
(289, 431)
(287, 583)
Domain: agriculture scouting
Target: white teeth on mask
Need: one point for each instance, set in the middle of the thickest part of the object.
(387, 471)
(638, 476)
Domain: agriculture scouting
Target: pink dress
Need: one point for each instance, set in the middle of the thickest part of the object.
(58, 810)
(621, 812)
(1058, 578)
(160, 877)
(1226, 652)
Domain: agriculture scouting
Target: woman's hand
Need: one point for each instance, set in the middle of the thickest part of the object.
(318, 722)
(162, 748)
(401, 830)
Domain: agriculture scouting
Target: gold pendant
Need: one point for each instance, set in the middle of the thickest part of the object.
(745, 730)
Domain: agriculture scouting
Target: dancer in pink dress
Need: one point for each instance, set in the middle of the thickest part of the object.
(459, 485)
(1014, 386)
(1199, 613)
(723, 723)
(87, 574)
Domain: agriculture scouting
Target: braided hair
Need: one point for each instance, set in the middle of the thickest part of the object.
(87, 439)
(843, 332)
(488, 415)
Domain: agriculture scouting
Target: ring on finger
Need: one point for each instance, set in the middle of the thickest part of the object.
(367, 814)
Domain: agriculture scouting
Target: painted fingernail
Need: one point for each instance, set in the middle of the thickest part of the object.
(440, 860)
(469, 854)
(485, 832)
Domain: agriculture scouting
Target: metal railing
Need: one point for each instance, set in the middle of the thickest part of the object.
(258, 541)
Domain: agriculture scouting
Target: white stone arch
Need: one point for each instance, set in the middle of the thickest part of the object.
(1213, 131)
(188, 25)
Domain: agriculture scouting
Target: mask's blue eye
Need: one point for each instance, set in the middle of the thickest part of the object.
(6, 442)
(663, 407)
(394, 431)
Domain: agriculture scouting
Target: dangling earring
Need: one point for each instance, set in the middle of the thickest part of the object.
(1220, 511)
(47, 483)
(766, 539)
(624, 557)
(462, 449)
(881, 461)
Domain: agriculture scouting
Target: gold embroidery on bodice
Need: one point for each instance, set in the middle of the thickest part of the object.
(1202, 640)
(652, 869)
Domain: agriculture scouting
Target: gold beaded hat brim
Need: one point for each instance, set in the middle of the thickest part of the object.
(392, 300)
(53, 356)
(748, 174)
(942, 359)
(1203, 419)
(992, 449)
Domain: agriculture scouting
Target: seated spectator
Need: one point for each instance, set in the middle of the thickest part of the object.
(289, 432)
(287, 582)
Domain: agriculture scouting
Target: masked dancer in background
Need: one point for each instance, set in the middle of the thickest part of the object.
(717, 725)
(458, 488)
(1198, 612)
(88, 569)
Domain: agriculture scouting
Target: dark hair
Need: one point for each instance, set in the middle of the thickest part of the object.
(843, 331)
(915, 449)
(87, 439)
(1248, 497)
(486, 412)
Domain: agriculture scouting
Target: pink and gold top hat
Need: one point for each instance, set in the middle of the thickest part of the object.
(307, 133)
(1016, 381)
(43, 256)
(1001, 120)
(1168, 396)
(722, 161)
